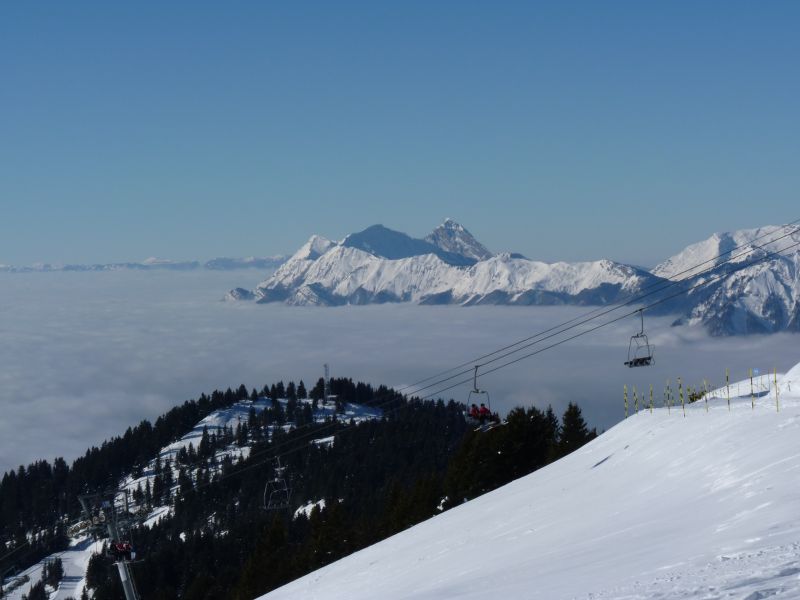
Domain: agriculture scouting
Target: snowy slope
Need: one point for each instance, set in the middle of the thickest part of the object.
(75, 560)
(713, 250)
(761, 298)
(660, 506)
(230, 417)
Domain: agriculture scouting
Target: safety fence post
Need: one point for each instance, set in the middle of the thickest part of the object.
(728, 387)
(625, 393)
(777, 400)
(669, 398)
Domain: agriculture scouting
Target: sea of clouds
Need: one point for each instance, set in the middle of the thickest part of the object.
(86, 355)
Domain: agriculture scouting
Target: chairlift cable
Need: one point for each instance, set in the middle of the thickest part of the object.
(614, 320)
(664, 284)
(571, 325)
(336, 423)
(566, 326)
(237, 472)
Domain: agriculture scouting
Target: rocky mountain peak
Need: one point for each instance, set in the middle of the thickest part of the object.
(453, 237)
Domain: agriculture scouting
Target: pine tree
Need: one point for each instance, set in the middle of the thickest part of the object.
(204, 450)
(184, 481)
(53, 572)
(37, 592)
(574, 431)
(318, 391)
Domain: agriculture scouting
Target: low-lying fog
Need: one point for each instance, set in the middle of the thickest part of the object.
(85, 355)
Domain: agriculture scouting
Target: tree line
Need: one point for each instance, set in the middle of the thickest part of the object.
(376, 479)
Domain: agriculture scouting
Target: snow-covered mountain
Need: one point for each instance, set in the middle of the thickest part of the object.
(386, 243)
(380, 265)
(454, 238)
(660, 506)
(451, 267)
(763, 297)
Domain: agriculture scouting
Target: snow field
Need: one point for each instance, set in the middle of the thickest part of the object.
(660, 506)
(75, 561)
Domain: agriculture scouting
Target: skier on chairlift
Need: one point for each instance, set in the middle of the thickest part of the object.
(474, 413)
(122, 550)
(484, 413)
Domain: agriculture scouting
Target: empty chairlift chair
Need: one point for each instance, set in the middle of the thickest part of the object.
(640, 351)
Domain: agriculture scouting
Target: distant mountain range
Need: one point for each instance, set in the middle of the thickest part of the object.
(449, 266)
(216, 264)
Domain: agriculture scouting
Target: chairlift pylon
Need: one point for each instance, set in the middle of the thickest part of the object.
(640, 351)
(277, 492)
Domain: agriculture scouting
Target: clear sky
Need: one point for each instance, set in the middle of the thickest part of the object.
(562, 130)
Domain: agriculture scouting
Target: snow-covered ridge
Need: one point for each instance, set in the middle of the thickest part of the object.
(660, 506)
(757, 292)
(448, 267)
(380, 265)
(230, 418)
(720, 247)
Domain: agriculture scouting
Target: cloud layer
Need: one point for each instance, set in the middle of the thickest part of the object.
(85, 355)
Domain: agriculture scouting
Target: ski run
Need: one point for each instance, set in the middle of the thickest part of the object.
(704, 506)
(75, 560)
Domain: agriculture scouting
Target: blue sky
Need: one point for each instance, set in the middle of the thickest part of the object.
(562, 130)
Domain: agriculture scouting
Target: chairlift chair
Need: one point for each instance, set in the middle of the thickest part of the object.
(640, 351)
(277, 492)
(478, 392)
